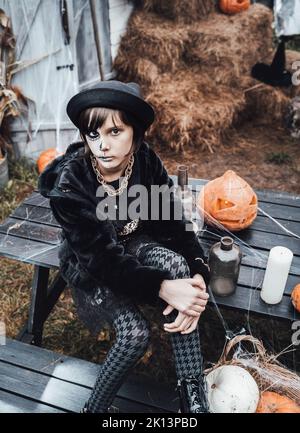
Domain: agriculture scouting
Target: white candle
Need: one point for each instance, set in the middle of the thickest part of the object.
(277, 271)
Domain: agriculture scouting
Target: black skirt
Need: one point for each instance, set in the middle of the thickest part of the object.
(92, 305)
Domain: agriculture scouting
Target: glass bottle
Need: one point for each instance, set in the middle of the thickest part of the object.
(184, 193)
(183, 190)
(224, 262)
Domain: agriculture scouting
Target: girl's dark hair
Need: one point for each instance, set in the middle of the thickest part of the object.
(94, 117)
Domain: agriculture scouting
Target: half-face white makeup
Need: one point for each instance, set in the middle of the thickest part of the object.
(95, 142)
(111, 143)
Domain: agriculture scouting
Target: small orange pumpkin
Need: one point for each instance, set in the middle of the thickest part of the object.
(295, 296)
(46, 157)
(234, 6)
(229, 200)
(271, 402)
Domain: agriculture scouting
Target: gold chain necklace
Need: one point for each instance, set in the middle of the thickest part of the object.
(111, 191)
(132, 225)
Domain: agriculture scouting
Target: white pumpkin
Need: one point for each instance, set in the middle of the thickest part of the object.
(231, 389)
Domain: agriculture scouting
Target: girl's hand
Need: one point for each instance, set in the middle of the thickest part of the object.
(201, 281)
(186, 295)
(183, 323)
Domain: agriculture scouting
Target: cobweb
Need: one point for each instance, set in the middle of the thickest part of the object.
(45, 70)
(257, 258)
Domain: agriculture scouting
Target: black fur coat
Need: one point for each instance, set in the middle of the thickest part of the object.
(89, 253)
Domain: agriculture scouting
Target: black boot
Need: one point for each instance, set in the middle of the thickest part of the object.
(192, 394)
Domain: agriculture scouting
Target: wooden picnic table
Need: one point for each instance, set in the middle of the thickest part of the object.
(32, 235)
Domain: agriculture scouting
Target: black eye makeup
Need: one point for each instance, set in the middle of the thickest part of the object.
(93, 135)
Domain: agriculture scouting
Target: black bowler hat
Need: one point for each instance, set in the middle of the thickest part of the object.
(112, 94)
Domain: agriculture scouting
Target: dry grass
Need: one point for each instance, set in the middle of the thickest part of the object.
(199, 117)
(150, 37)
(267, 103)
(15, 281)
(179, 10)
(15, 278)
(226, 47)
(22, 181)
(270, 104)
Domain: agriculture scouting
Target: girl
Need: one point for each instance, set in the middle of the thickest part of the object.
(114, 260)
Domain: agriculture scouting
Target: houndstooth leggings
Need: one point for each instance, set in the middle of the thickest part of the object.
(133, 331)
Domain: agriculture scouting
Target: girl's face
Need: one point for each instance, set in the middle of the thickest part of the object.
(111, 143)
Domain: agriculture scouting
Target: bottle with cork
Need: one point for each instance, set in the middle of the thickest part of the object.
(224, 263)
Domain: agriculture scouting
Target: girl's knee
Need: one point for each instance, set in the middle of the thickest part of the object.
(179, 267)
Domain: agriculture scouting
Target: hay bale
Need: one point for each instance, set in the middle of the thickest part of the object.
(230, 52)
(182, 11)
(150, 37)
(270, 104)
(220, 46)
(191, 111)
(266, 104)
(140, 70)
(196, 76)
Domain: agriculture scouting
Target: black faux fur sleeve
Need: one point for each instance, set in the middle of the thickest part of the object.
(100, 256)
(186, 242)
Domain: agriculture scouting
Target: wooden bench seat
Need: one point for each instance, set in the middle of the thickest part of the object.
(37, 380)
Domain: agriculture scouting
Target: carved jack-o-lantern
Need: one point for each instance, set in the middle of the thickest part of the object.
(229, 200)
(234, 6)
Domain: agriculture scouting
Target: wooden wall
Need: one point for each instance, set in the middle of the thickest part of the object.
(60, 69)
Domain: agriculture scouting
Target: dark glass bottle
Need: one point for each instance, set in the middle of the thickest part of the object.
(184, 193)
(224, 263)
(183, 190)
(182, 176)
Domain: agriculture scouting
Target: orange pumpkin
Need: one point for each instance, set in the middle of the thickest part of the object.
(46, 157)
(271, 402)
(296, 297)
(234, 6)
(229, 200)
